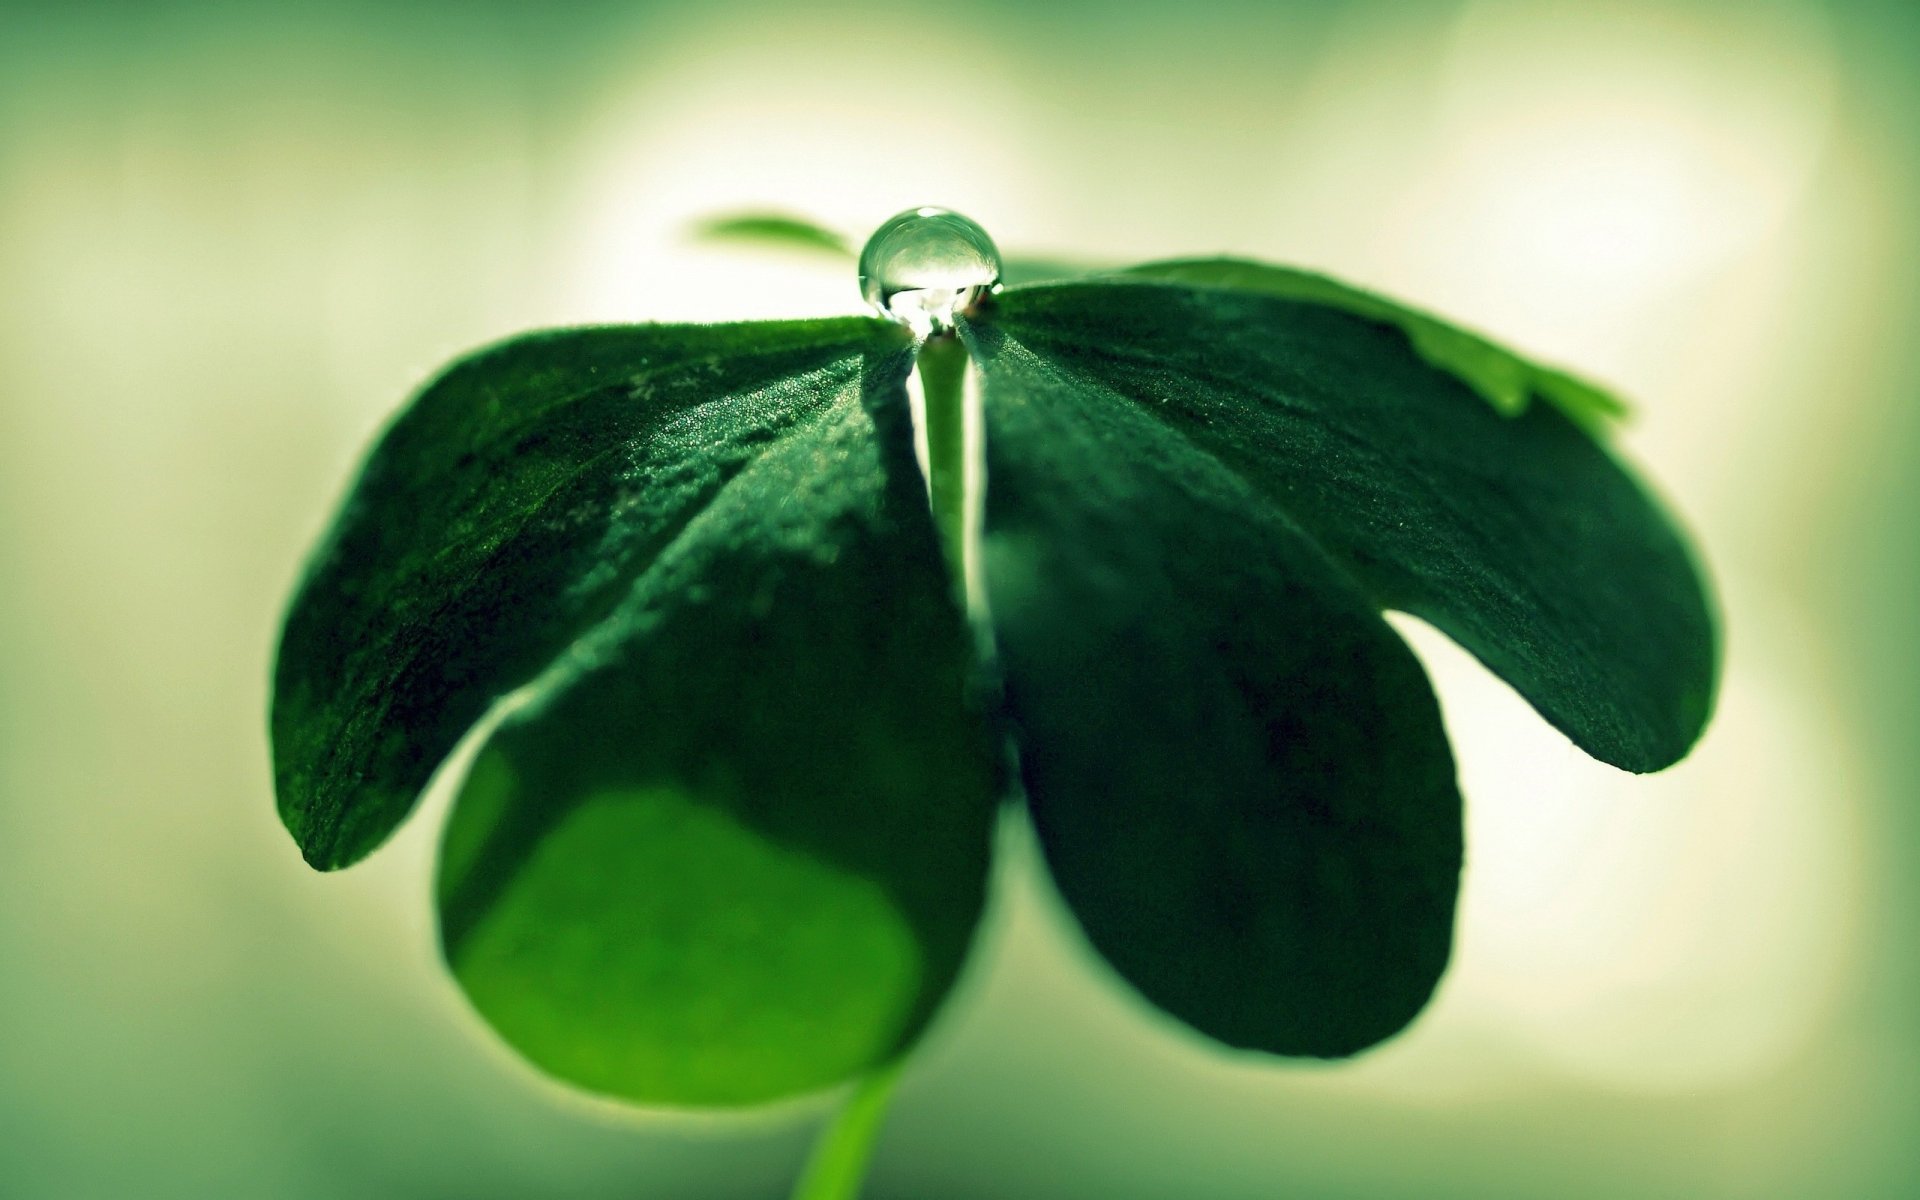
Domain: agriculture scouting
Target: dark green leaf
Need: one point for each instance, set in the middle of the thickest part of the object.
(1237, 770)
(1506, 380)
(503, 515)
(1519, 537)
(738, 848)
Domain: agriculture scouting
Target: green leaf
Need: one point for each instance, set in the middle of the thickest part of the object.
(1506, 380)
(1237, 770)
(774, 229)
(1519, 537)
(738, 848)
(732, 843)
(1198, 502)
(503, 515)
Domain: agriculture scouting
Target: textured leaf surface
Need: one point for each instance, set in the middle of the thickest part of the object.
(504, 514)
(733, 845)
(1519, 537)
(1237, 770)
(738, 848)
(1506, 380)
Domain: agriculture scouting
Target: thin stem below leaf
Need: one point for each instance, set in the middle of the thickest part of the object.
(838, 1165)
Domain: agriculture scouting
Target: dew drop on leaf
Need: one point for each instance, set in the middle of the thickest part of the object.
(926, 266)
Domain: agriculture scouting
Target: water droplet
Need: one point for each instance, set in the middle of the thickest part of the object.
(926, 266)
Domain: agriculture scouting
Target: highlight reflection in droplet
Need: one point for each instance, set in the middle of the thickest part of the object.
(926, 266)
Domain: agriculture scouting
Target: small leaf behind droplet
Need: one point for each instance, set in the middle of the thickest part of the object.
(774, 229)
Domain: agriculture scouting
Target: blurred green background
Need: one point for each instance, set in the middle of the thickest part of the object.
(234, 235)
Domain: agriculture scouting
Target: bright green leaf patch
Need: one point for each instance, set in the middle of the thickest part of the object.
(1506, 380)
(738, 848)
(621, 956)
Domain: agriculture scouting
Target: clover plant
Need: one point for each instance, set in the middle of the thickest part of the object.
(781, 623)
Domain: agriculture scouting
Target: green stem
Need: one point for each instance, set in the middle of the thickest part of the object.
(839, 1161)
(943, 378)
